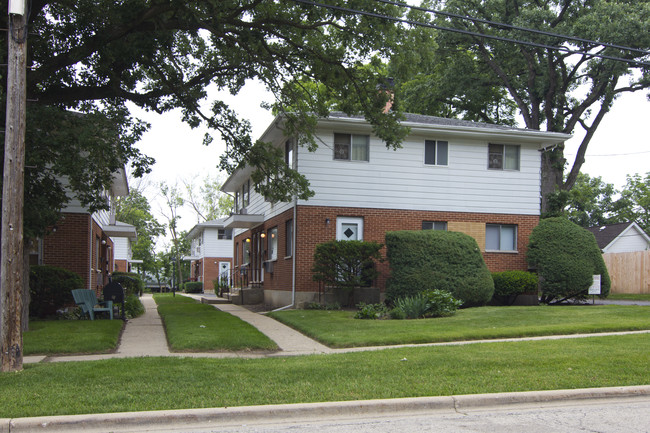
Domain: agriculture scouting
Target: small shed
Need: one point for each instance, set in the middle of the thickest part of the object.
(624, 237)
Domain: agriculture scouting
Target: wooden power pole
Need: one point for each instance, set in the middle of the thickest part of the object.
(13, 186)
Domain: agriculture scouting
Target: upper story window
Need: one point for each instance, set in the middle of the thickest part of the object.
(288, 153)
(245, 193)
(224, 234)
(501, 237)
(434, 225)
(351, 147)
(236, 201)
(436, 152)
(503, 157)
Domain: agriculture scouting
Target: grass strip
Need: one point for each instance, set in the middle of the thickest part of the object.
(177, 383)
(340, 329)
(52, 337)
(195, 327)
(629, 297)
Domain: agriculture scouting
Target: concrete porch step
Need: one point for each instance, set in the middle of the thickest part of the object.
(215, 301)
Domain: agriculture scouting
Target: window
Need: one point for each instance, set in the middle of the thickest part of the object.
(224, 234)
(288, 153)
(236, 254)
(246, 189)
(351, 147)
(289, 238)
(434, 225)
(436, 152)
(236, 201)
(349, 229)
(503, 157)
(246, 252)
(273, 243)
(501, 237)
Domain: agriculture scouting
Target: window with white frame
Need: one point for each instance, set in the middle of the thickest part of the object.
(224, 234)
(288, 153)
(289, 238)
(349, 229)
(434, 225)
(501, 237)
(246, 251)
(351, 147)
(503, 157)
(246, 189)
(436, 152)
(273, 243)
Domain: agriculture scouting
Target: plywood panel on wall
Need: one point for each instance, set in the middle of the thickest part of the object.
(475, 230)
(629, 272)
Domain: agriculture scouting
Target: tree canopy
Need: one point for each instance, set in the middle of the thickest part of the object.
(557, 90)
(94, 56)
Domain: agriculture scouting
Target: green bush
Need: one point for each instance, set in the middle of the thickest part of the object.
(130, 281)
(50, 289)
(414, 307)
(133, 307)
(371, 311)
(566, 256)
(193, 287)
(440, 303)
(345, 265)
(510, 284)
(437, 260)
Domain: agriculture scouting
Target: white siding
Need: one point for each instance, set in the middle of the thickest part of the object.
(215, 247)
(629, 241)
(400, 180)
(122, 248)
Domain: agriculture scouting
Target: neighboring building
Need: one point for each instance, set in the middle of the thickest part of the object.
(83, 242)
(480, 179)
(624, 237)
(124, 236)
(211, 253)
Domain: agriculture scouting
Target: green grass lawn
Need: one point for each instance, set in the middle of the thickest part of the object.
(628, 297)
(51, 337)
(340, 329)
(176, 383)
(195, 327)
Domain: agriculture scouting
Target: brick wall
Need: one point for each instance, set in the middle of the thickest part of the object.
(73, 246)
(208, 270)
(316, 224)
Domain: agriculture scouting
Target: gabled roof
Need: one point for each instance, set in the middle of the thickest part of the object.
(607, 234)
(217, 224)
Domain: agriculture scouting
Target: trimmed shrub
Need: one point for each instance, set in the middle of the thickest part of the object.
(130, 281)
(371, 311)
(510, 284)
(440, 303)
(437, 260)
(345, 265)
(50, 289)
(566, 257)
(133, 307)
(193, 287)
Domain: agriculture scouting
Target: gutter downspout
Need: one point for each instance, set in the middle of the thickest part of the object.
(90, 252)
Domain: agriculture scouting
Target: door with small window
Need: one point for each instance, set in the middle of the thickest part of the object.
(349, 229)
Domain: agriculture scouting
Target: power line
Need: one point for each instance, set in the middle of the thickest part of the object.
(510, 26)
(471, 33)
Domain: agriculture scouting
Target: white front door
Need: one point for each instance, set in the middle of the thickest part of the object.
(224, 272)
(349, 229)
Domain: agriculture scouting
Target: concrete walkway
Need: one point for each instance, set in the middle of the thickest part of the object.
(145, 336)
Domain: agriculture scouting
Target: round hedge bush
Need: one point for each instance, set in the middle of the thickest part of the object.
(510, 284)
(437, 260)
(50, 289)
(566, 257)
(130, 281)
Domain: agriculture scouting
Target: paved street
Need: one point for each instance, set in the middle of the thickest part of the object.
(600, 416)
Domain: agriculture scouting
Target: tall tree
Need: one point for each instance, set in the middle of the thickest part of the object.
(593, 202)
(134, 209)
(636, 200)
(174, 201)
(556, 90)
(206, 199)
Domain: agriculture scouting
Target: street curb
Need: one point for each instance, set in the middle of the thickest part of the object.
(213, 417)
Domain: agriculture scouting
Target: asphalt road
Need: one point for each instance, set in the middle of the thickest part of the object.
(601, 415)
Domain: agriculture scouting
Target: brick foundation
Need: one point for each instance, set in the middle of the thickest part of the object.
(316, 224)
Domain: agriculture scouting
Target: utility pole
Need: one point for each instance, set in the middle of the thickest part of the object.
(13, 186)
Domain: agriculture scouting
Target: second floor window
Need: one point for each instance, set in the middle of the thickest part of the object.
(503, 157)
(245, 194)
(224, 234)
(436, 152)
(351, 147)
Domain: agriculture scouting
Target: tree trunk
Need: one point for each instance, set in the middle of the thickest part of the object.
(552, 176)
